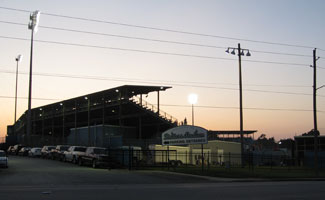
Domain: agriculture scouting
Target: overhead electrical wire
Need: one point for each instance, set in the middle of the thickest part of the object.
(163, 29)
(156, 52)
(197, 106)
(154, 40)
(173, 84)
(148, 80)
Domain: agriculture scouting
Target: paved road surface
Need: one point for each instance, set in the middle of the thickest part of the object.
(28, 178)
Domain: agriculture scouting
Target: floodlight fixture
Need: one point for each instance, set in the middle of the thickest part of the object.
(248, 54)
(34, 20)
(227, 51)
(192, 98)
(233, 52)
(19, 58)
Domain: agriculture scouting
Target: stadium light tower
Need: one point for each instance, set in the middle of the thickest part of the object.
(18, 60)
(33, 25)
(240, 52)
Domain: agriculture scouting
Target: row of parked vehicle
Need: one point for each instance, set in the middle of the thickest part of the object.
(94, 156)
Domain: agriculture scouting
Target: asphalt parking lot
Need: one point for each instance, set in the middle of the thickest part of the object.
(34, 178)
(26, 171)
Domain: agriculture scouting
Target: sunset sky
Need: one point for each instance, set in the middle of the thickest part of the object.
(178, 43)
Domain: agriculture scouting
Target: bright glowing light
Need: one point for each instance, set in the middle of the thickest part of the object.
(192, 98)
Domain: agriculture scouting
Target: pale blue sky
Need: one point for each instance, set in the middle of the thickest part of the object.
(294, 22)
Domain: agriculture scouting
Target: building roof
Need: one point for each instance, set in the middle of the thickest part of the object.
(231, 132)
(125, 91)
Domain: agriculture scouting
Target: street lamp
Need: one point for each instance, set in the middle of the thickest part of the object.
(192, 99)
(240, 52)
(33, 24)
(18, 59)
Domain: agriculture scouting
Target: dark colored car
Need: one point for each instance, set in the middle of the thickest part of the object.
(94, 156)
(58, 152)
(24, 151)
(74, 153)
(10, 148)
(45, 152)
(16, 149)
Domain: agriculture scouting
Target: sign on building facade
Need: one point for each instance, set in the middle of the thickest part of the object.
(183, 135)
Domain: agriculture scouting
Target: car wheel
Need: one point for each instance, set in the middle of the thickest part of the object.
(94, 165)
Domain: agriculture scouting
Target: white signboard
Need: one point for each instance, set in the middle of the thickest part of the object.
(183, 135)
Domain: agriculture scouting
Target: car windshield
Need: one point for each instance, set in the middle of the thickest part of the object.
(64, 148)
(100, 151)
(81, 149)
(2, 154)
(50, 148)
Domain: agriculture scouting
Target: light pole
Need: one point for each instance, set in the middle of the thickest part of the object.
(18, 59)
(33, 24)
(192, 99)
(240, 52)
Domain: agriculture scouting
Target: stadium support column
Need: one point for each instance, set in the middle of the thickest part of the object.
(140, 128)
(43, 128)
(120, 109)
(103, 117)
(52, 132)
(140, 99)
(158, 102)
(75, 122)
(88, 105)
(63, 122)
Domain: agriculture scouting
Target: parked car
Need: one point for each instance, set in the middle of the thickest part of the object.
(73, 154)
(35, 152)
(24, 151)
(95, 156)
(10, 148)
(16, 149)
(3, 159)
(58, 152)
(45, 152)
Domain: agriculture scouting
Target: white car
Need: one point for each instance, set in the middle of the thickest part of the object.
(3, 159)
(73, 154)
(35, 152)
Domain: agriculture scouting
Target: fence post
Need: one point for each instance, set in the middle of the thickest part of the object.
(208, 160)
(229, 160)
(186, 158)
(168, 158)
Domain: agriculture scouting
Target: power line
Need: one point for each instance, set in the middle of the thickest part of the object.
(35, 98)
(173, 84)
(149, 80)
(156, 52)
(247, 108)
(197, 106)
(163, 29)
(155, 40)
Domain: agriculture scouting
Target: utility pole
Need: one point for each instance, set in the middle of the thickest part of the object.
(241, 107)
(315, 114)
(240, 54)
